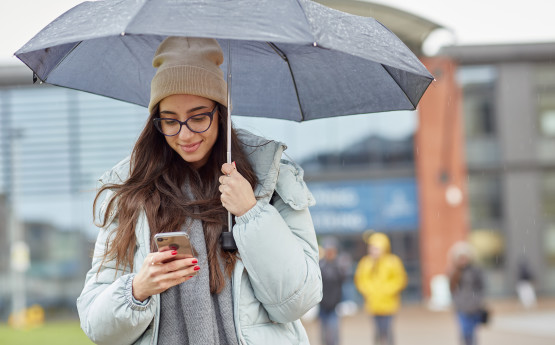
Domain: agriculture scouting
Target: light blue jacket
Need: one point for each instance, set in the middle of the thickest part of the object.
(275, 282)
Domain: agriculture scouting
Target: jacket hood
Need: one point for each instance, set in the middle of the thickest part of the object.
(264, 156)
(381, 241)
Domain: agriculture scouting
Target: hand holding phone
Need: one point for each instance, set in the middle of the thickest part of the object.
(173, 264)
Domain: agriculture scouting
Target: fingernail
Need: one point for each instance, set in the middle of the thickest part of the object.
(234, 164)
(174, 252)
(195, 261)
(191, 276)
(196, 268)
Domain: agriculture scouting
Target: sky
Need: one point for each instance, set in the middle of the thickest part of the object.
(472, 21)
(487, 21)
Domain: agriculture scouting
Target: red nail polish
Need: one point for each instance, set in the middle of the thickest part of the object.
(234, 164)
(174, 252)
(191, 276)
(196, 268)
(195, 261)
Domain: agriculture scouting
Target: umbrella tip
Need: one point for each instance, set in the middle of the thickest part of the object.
(315, 44)
(36, 78)
(123, 33)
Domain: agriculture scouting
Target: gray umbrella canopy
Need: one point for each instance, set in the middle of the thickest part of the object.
(291, 59)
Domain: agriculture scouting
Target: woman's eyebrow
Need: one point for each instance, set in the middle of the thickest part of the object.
(169, 112)
(197, 108)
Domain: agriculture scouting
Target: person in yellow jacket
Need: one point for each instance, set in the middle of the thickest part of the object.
(380, 277)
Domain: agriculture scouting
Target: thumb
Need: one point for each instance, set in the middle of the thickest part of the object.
(227, 168)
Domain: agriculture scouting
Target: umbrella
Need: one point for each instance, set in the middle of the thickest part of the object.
(292, 59)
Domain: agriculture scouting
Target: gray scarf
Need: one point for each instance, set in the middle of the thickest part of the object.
(189, 313)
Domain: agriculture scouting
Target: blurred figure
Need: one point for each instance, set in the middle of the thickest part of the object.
(467, 289)
(525, 285)
(380, 277)
(332, 282)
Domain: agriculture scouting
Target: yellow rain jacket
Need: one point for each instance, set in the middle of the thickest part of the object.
(380, 281)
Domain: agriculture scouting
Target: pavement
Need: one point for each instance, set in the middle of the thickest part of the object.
(415, 324)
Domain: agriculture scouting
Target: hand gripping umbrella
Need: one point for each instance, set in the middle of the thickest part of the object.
(292, 59)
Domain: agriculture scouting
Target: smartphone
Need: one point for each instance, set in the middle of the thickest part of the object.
(178, 241)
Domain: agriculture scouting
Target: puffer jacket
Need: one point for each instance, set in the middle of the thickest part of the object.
(275, 282)
(380, 281)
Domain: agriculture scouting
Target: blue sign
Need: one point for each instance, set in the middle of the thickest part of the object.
(356, 206)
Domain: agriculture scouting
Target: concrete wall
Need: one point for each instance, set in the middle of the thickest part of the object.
(517, 134)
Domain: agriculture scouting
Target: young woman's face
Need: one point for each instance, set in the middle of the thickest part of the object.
(374, 251)
(194, 148)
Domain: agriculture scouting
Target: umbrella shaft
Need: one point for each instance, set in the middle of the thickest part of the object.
(229, 220)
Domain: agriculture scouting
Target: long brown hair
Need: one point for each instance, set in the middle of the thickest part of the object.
(157, 174)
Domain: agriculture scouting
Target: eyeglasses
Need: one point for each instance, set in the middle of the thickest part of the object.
(197, 123)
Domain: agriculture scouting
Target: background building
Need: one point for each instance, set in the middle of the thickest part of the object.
(54, 144)
(509, 114)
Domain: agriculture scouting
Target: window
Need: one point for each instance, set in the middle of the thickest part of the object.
(478, 83)
(548, 213)
(479, 113)
(545, 91)
(484, 193)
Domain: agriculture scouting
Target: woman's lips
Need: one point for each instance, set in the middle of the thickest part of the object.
(190, 148)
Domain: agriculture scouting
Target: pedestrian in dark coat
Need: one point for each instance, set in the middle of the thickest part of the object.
(332, 282)
(467, 289)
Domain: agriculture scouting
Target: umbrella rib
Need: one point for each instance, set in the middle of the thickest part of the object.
(284, 57)
(400, 87)
(61, 60)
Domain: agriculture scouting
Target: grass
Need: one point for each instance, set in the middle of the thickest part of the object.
(59, 333)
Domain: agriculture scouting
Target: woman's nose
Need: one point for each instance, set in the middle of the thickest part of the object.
(185, 133)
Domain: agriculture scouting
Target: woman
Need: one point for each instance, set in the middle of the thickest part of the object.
(380, 277)
(467, 288)
(176, 179)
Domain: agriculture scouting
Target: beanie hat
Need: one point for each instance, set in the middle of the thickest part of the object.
(188, 65)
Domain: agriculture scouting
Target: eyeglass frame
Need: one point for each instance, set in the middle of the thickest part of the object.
(181, 123)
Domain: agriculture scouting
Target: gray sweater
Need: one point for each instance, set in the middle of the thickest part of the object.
(189, 313)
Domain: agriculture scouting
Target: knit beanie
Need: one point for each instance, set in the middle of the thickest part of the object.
(188, 65)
